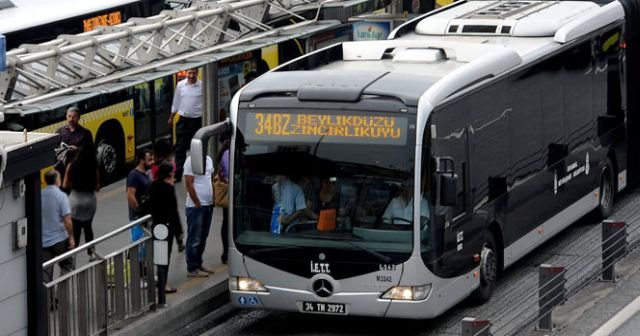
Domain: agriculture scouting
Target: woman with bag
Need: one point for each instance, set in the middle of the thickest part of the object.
(82, 177)
(221, 192)
(164, 210)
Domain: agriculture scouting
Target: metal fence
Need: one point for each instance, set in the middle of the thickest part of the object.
(558, 282)
(99, 295)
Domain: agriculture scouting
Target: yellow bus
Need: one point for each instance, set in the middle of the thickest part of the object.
(132, 113)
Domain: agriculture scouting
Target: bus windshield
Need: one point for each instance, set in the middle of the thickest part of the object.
(319, 180)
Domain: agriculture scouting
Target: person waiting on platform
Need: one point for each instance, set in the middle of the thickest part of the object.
(72, 137)
(82, 177)
(187, 102)
(57, 227)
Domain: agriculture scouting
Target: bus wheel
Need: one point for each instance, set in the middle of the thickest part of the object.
(607, 190)
(488, 271)
(107, 160)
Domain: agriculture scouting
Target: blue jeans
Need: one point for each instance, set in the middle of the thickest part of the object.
(198, 225)
(138, 233)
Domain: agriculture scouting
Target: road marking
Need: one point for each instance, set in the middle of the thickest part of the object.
(618, 319)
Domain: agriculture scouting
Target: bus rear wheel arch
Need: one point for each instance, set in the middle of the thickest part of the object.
(110, 151)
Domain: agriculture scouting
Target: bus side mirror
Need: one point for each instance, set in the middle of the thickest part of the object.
(200, 144)
(448, 189)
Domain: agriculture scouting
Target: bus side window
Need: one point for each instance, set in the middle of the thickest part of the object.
(451, 141)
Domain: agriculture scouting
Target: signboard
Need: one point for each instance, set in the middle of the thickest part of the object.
(371, 30)
(341, 34)
(231, 72)
(3, 53)
(310, 127)
(108, 19)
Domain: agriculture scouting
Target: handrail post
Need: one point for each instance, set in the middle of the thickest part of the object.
(161, 241)
(614, 247)
(475, 327)
(551, 283)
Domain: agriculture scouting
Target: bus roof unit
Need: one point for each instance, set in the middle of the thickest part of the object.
(451, 50)
(521, 19)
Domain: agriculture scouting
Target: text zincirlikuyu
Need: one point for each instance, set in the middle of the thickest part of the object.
(285, 124)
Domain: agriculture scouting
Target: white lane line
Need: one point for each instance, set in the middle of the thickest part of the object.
(618, 319)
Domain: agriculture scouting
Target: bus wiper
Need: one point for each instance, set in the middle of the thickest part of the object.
(273, 249)
(381, 257)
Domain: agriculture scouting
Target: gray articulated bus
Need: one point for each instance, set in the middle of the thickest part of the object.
(396, 178)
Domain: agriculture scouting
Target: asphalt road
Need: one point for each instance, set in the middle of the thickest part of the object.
(513, 304)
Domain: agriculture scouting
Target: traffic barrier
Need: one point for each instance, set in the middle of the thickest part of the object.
(475, 327)
(556, 283)
(614, 247)
(551, 292)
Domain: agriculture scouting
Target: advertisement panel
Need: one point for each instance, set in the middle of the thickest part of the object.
(231, 72)
(3, 53)
(371, 30)
(341, 34)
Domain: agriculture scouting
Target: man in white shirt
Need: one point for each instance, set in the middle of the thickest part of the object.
(199, 211)
(187, 102)
(400, 209)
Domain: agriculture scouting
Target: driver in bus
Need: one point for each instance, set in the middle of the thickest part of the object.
(400, 210)
(290, 197)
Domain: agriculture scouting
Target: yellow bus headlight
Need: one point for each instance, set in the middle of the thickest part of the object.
(407, 293)
(246, 284)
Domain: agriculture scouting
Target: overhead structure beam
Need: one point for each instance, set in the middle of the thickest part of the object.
(72, 61)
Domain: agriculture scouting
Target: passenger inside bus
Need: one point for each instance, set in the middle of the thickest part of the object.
(326, 204)
(399, 211)
(327, 196)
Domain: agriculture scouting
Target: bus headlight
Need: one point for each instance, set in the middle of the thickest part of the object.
(246, 284)
(408, 293)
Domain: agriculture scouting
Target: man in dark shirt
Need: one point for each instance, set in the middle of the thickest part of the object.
(138, 184)
(72, 137)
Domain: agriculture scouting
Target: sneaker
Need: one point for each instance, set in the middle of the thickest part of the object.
(163, 305)
(206, 270)
(197, 274)
(92, 257)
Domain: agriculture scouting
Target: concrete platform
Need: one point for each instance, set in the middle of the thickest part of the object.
(195, 298)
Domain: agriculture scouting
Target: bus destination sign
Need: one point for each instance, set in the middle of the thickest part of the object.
(109, 19)
(303, 127)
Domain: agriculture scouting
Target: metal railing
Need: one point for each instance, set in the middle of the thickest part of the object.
(96, 296)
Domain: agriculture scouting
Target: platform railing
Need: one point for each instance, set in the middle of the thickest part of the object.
(101, 294)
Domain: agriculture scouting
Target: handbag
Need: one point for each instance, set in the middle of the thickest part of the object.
(327, 220)
(220, 192)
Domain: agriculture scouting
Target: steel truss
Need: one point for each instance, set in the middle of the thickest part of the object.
(72, 62)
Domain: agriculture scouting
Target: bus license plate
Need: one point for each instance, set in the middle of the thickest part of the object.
(324, 308)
